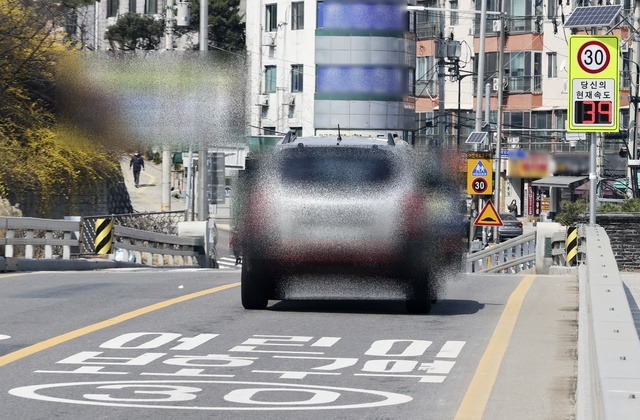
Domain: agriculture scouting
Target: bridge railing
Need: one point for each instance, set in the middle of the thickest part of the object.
(608, 344)
(511, 256)
(37, 237)
(34, 238)
(158, 248)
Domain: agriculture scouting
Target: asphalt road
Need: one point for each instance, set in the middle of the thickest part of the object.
(165, 343)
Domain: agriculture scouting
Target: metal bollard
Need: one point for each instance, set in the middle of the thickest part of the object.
(572, 246)
(104, 236)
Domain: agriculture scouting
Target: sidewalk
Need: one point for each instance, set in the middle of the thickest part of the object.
(148, 197)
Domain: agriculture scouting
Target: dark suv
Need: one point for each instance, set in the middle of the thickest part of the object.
(349, 210)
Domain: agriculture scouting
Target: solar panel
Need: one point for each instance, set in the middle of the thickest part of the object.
(590, 16)
(476, 137)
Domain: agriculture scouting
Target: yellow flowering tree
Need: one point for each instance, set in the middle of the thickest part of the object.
(42, 157)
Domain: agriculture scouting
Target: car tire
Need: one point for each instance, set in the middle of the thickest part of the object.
(253, 288)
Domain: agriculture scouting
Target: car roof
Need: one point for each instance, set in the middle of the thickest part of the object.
(338, 140)
(508, 216)
(345, 140)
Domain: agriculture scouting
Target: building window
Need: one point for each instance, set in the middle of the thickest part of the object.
(270, 79)
(552, 65)
(320, 14)
(523, 69)
(625, 75)
(552, 8)
(427, 21)
(426, 74)
(112, 8)
(454, 15)
(151, 6)
(297, 15)
(296, 78)
(297, 131)
(269, 131)
(271, 18)
(132, 6)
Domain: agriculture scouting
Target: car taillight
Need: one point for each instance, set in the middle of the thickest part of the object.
(413, 219)
(519, 225)
(257, 212)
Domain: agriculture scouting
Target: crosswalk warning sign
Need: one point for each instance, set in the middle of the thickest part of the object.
(479, 169)
(488, 216)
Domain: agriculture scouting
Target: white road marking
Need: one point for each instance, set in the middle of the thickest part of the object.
(240, 393)
(228, 262)
(4, 337)
(451, 349)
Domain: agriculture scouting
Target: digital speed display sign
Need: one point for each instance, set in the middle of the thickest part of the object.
(594, 103)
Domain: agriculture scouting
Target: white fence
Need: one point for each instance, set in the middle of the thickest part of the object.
(33, 238)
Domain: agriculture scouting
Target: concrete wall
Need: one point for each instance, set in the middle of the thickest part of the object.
(108, 198)
(624, 233)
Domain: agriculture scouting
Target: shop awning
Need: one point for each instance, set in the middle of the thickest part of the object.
(570, 182)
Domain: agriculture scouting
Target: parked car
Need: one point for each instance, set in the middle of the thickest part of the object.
(511, 227)
(352, 207)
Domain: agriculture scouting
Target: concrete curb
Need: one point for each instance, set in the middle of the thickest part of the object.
(608, 345)
(28, 264)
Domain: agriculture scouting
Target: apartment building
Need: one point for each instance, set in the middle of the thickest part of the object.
(90, 23)
(319, 65)
(534, 90)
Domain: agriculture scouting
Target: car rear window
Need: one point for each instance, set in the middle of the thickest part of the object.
(336, 166)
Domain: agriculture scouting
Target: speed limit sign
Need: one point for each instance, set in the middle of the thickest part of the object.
(593, 57)
(594, 94)
(479, 185)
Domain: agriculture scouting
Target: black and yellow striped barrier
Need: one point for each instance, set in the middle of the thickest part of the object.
(572, 245)
(104, 236)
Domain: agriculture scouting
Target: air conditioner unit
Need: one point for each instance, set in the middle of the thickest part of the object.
(269, 39)
(449, 32)
(505, 83)
(289, 99)
(263, 100)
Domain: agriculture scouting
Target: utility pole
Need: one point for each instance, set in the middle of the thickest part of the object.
(481, 48)
(498, 178)
(478, 125)
(633, 150)
(441, 48)
(203, 204)
(166, 153)
(169, 22)
(166, 179)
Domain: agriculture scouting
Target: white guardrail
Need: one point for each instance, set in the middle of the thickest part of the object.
(33, 238)
(511, 256)
(608, 344)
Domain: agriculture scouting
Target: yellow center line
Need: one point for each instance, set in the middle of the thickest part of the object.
(43, 345)
(7, 275)
(475, 400)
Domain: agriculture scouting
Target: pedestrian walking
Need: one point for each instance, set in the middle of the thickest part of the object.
(235, 246)
(137, 163)
(513, 207)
